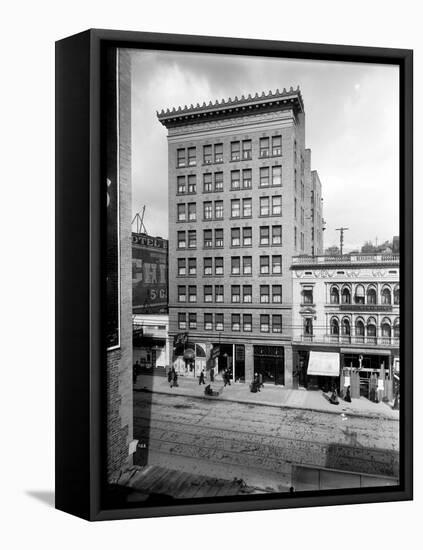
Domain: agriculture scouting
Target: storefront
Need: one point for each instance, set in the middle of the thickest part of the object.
(323, 370)
(269, 362)
(369, 371)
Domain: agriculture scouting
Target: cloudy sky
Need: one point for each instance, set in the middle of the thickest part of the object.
(352, 125)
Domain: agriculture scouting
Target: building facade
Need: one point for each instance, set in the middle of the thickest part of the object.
(151, 341)
(347, 306)
(240, 191)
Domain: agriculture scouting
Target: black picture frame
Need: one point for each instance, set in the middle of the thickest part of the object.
(80, 225)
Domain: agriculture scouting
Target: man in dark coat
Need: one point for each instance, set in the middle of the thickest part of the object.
(201, 381)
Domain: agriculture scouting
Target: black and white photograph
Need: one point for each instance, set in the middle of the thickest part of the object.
(253, 276)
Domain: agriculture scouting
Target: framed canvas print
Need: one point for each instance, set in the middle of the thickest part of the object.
(234, 264)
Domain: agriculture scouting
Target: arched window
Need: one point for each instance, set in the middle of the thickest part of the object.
(359, 294)
(334, 327)
(397, 328)
(386, 296)
(334, 295)
(397, 295)
(359, 330)
(346, 329)
(371, 330)
(346, 296)
(386, 331)
(371, 295)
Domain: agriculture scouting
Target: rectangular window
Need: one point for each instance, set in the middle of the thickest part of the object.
(247, 236)
(277, 294)
(276, 265)
(218, 293)
(264, 323)
(182, 294)
(264, 147)
(247, 322)
(192, 239)
(192, 211)
(236, 322)
(264, 176)
(235, 150)
(192, 266)
(192, 160)
(246, 149)
(218, 152)
(235, 265)
(208, 293)
(218, 266)
(218, 321)
(208, 238)
(207, 154)
(295, 237)
(276, 205)
(276, 145)
(264, 265)
(218, 210)
(208, 321)
(295, 208)
(182, 242)
(218, 238)
(192, 183)
(235, 236)
(276, 234)
(182, 270)
(235, 208)
(264, 294)
(192, 294)
(247, 178)
(235, 179)
(207, 183)
(307, 296)
(264, 206)
(264, 235)
(247, 294)
(180, 158)
(247, 263)
(181, 213)
(207, 266)
(277, 323)
(181, 181)
(192, 320)
(302, 241)
(235, 294)
(208, 210)
(247, 208)
(182, 321)
(218, 181)
(276, 175)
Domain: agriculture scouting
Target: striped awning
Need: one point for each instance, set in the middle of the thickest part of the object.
(322, 363)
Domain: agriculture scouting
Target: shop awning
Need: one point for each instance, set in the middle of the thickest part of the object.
(323, 363)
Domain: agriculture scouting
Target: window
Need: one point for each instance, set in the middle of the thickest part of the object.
(295, 208)
(207, 183)
(302, 190)
(264, 147)
(192, 161)
(235, 179)
(235, 150)
(276, 265)
(264, 176)
(247, 236)
(386, 296)
(208, 210)
(208, 238)
(218, 321)
(207, 266)
(182, 267)
(371, 329)
(276, 205)
(181, 212)
(359, 294)
(334, 327)
(235, 236)
(180, 158)
(302, 241)
(182, 321)
(396, 328)
(345, 327)
(247, 178)
(218, 181)
(246, 208)
(192, 239)
(264, 294)
(192, 320)
(192, 183)
(218, 266)
(207, 154)
(208, 293)
(235, 265)
(247, 294)
(264, 235)
(192, 266)
(359, 330)
(371, 296)
(218, 210)
(182, 294)
(246, 149)
(302, 216)
(235, 208)
(236, 322)
(346, 296)
(308, 327)
(264, 206)
(276, 145)
(276, 294)
(334, 295)
(247, 262)
(276, 175)
(247, 322)
(396, 296)
(208, 321)
(192, 211)
(235, 294)
(276, 234)
(182, 243)
(295, 237)
(218, 238)
(264, 323)
(192, 293)
(218, 293)
(181, 182)
(218, 152)
(264, 265)
(307, 296)
(277, 323)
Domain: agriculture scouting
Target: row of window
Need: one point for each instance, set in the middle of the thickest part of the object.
(239, 150)
(268, 323)
(361, 329)
(364, 297)
(268, 294)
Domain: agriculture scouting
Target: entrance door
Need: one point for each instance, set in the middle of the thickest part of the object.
(270, 364)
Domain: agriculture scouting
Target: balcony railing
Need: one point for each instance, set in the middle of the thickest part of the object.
(363, 307)
(347, 259)
(344, 339)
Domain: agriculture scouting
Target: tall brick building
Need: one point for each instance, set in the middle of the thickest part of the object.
(242, 203)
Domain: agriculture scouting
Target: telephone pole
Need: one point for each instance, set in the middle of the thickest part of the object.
(341, 237)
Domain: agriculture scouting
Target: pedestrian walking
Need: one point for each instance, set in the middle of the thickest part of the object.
(135, 371)
(348, 395)
(175, 379)
(226, 379)
(170, 375)
(201, 381)
(260, 380)
(212, 374)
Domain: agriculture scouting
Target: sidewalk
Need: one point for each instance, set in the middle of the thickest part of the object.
(270, 395)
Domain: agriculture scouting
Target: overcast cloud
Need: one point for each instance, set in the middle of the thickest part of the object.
(352, 125)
